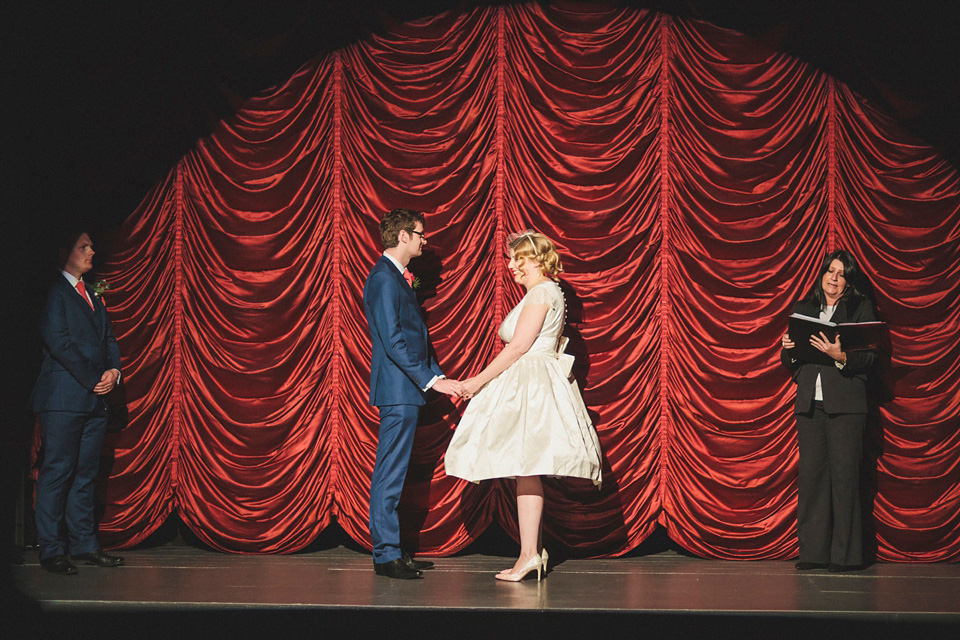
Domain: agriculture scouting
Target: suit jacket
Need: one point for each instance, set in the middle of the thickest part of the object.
(78, 346)
(401, 364)
(844, 390)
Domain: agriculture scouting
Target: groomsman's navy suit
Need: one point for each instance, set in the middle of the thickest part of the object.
(401, 368)
(78, 347)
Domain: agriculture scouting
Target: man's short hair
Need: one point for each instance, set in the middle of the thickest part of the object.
(65, 238)
(396, 221)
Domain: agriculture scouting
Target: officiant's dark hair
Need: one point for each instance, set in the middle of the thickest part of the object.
(396, 221)
(851, 274)
(65, 239)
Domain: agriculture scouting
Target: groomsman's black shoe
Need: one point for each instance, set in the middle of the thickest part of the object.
(59, 565)
(396, 569)
(416, 565)
(99, 558)
(807, 566)
(844, 568)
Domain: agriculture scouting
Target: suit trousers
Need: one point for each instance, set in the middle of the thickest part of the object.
(66, 480)
(828, 514)
(398, 425)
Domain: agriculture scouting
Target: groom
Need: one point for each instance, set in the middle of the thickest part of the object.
(401, 372)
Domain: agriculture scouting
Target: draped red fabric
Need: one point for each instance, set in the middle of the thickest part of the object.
(692, 180)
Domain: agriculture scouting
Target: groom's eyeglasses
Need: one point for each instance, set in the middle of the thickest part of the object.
(419, 233)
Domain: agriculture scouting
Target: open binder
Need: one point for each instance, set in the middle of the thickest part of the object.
(853, 336)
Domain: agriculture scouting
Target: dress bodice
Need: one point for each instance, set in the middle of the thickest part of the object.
(548, 292)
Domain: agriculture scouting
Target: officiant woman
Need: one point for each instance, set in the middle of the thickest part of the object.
(831, 413)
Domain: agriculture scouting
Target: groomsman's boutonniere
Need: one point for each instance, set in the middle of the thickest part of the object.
(99, 287)
(415, 284)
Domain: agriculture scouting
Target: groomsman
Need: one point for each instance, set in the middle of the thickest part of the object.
(81, 364)
(401, 372)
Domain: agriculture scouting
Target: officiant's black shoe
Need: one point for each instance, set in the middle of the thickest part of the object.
(844, 568)
(396, 569)
(416, 565)
(59, 565)
(99, 558)
(807, 566)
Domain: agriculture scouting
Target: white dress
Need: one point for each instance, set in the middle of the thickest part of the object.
(530, 420)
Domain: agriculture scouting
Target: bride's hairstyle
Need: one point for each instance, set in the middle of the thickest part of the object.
(530, 245)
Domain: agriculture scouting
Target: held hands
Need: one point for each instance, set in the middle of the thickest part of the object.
(470, 387)
(463, 389)
(107, 382)
(449, 387)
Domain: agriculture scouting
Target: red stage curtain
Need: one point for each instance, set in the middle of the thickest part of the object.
(692, 180)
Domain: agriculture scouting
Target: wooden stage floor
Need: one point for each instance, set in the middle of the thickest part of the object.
(181, 591)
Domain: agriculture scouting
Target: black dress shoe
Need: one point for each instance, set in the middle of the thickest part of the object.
(59, 565)
(417, 565)
(396, 569)
(99, 558)
(844, 568)
(806, 566)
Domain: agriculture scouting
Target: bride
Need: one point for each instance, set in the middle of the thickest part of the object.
(526, 418)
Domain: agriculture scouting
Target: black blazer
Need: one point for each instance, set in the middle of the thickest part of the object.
(844, 390)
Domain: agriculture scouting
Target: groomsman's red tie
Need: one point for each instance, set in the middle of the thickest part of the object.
(83, 292)
(408, 277)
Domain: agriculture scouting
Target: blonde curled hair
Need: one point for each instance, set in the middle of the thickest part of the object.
(531, 245)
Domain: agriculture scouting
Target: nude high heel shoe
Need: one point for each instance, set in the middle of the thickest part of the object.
(533, 564)
(544, 559)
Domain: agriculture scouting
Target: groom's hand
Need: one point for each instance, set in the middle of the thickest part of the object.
(449, 387)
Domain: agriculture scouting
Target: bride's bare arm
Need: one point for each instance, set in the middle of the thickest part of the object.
(528, 328)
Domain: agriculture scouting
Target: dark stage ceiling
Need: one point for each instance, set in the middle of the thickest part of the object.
(113, 92)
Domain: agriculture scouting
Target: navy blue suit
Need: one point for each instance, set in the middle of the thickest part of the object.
(401, 367)
(78, 347)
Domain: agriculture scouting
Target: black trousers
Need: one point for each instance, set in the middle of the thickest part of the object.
(828, 513)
